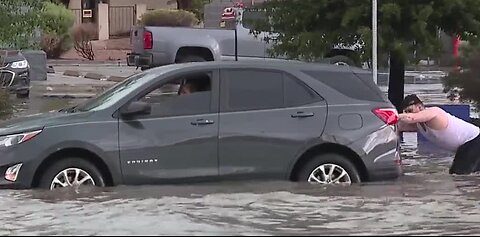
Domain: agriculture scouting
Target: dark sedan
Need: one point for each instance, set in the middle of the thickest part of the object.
(15, 73)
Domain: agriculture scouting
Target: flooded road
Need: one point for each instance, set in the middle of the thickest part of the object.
(425, 201)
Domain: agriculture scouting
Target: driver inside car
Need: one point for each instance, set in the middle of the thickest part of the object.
(195, 84)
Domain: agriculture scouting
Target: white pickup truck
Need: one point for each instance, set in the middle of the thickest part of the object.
(154, 46)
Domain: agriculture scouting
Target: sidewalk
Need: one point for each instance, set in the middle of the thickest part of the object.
(79, 62)
(97, 71)
(60, 86)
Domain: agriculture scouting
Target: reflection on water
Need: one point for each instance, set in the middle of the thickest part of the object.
(34, 106)
(426, 200)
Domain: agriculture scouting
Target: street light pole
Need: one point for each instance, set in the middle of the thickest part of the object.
(238, 13)
(374, 41)
(236, 40)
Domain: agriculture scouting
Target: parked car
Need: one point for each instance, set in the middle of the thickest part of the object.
(15, 73)
(154, 46)
(211, 121)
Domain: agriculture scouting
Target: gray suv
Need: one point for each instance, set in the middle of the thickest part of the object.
(211, 121)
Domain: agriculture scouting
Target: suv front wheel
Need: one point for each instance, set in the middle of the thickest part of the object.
(71, 172)
(329, 169)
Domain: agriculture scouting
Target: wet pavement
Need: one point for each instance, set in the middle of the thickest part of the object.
(37, 104)
(425, 201)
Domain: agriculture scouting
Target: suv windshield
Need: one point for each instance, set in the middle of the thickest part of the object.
(114, 94)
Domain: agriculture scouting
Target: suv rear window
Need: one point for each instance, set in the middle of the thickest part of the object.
(346, 83)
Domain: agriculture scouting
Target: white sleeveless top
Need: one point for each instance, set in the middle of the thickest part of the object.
(457, 133)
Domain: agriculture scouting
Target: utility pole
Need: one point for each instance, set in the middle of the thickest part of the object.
(236, 39)
(375, 41)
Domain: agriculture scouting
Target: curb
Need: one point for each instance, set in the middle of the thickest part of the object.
(73, 62)
(116, 78)
(94, 76)
(72, 73)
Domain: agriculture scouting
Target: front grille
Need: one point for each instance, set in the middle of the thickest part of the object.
(6, 78)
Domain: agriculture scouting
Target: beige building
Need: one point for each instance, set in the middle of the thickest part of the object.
(114, 17)
(151, 4)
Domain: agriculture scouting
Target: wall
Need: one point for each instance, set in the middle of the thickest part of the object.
(75, 4)
(151, 4)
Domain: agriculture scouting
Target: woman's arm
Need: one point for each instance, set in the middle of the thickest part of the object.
(420, 117)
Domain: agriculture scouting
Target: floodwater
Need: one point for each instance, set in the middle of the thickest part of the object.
(425, 201)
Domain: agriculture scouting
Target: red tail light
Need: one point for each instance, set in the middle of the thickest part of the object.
(147, 40)
(389, 116)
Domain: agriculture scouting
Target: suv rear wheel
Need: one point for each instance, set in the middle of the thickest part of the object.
(329, 169)
(71, 172)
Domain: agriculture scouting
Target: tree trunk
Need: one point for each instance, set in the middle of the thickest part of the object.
(184, 4)
(396, 83)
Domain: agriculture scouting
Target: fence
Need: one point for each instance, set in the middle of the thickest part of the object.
(78, 16)
(121, 19)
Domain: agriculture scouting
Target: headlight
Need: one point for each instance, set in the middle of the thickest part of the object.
(15, 139)
(20, 64)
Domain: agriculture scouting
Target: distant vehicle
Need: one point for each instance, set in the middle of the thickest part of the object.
(211, 121)
(154, 46)
(15, 73)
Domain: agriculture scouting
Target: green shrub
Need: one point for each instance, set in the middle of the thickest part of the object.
(197, 7)
(54, 45)
(57, 19)
(167, 17)
(82, 36)
(464, 84)
(19, 24)
(56, 24)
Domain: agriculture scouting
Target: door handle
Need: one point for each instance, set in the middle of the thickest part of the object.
(302, 115)
(202, 122)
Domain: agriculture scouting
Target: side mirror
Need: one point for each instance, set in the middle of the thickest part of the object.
(136, 108)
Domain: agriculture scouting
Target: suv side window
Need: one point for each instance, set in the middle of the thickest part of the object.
(255, 89)
(250, 89)
(349, 84)
(187, 95)
(297, 93)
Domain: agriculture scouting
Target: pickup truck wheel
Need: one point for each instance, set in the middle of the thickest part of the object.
(190, 58)
(342, 60)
